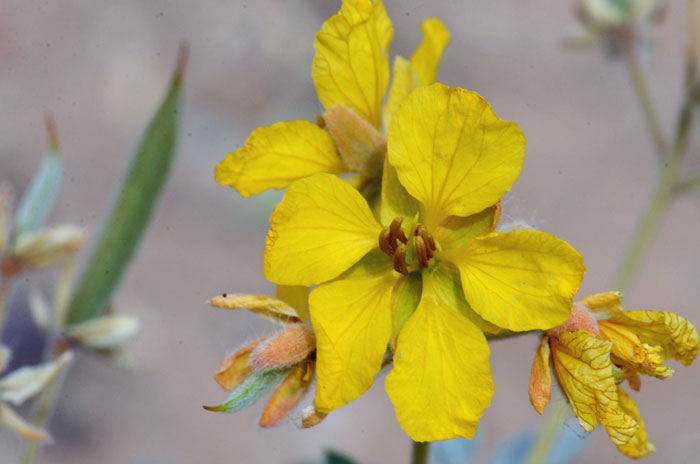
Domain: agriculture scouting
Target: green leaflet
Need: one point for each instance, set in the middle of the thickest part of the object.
(132, 208)
(39, 198)
(250, 391)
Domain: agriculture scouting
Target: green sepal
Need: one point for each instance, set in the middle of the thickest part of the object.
(250, 391)
(132, 208)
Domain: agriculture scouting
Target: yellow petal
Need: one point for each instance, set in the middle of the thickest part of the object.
(522, 280)
(288, 394)
(404, 301)
(449, 287)
(395, 200)
(674, 334)
(274, 156)
(296, 296)
(237, 367)
(322, 227)
(456, 231)
(452, 153)
(352, 321)
(270, 308)
(441, 381)
(404, 81)
(606, 302)
(427, 56)
(351, 66)
(630, 352)
(540, 385)
(639, 446)
(582, 366)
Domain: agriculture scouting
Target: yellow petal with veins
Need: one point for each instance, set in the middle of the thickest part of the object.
(351, 66)
(630, 352)
(540, 385)
(352, 321)
(395, 200)
(456, 231)
(676, 337)
(427, 56)
(322, 227)
(639, 446)
(582, 366)
(296, 296)
(404, 81)
(522, 280)
(452, 153)
(441, 381)
(274, 156)
(603, 302)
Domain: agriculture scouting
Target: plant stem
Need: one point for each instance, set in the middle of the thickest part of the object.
(554, 418)
(4, 295)
(41, 416)
(641, 89)
(420, 452)
(649, 223)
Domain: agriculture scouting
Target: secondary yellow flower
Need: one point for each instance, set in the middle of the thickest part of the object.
(285, 360)
(431, 275)
(599, 347)
(351, 73)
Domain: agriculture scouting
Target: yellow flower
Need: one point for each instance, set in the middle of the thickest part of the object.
(431, 275)
(285, 360)
(351, 73)
(602, 345)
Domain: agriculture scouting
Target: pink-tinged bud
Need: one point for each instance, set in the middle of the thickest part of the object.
(310, 417)
(581, 319)
(288, 347)
(288, 394)
(237, 367)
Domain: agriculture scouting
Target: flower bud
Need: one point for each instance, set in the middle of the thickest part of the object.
(288, 347)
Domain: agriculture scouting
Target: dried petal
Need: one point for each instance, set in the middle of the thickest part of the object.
(288, 394)
(265, 306)
(540, 384)
(288, 347)
(237, 367)
(311, 417)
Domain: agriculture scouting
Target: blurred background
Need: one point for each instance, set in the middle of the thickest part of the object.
(101, 68)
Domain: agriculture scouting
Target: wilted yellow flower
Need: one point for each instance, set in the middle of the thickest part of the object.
(431, 275)
(599, 347)
(351, 74)
(285, 360)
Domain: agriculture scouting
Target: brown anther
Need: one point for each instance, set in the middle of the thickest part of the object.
(427, 240)
(421, 252)
(384, 244)
(400, 259)
(396, 232)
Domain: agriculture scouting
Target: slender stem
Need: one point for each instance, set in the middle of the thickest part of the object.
(4, 294)
(554, 418)
(41, 416)
(641, 89)
(646, 229)
(420, 452)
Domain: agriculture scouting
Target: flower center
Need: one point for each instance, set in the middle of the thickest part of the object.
(394, 243)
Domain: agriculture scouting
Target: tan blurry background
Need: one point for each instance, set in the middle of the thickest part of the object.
(101, 67)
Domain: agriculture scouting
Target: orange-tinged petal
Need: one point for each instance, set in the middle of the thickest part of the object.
(676, 337)
(288, 394)
(359, 143)
(311, 417)
(584, 370)
(441, 381)
(270, 308)
(237, 367)
(521, 280)
(293, 344)
(452, 153)
(639, 446)
(427, 56)
(322, 227)
(274, 156)
(540, 385)
(352, 321)
(351, 66)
